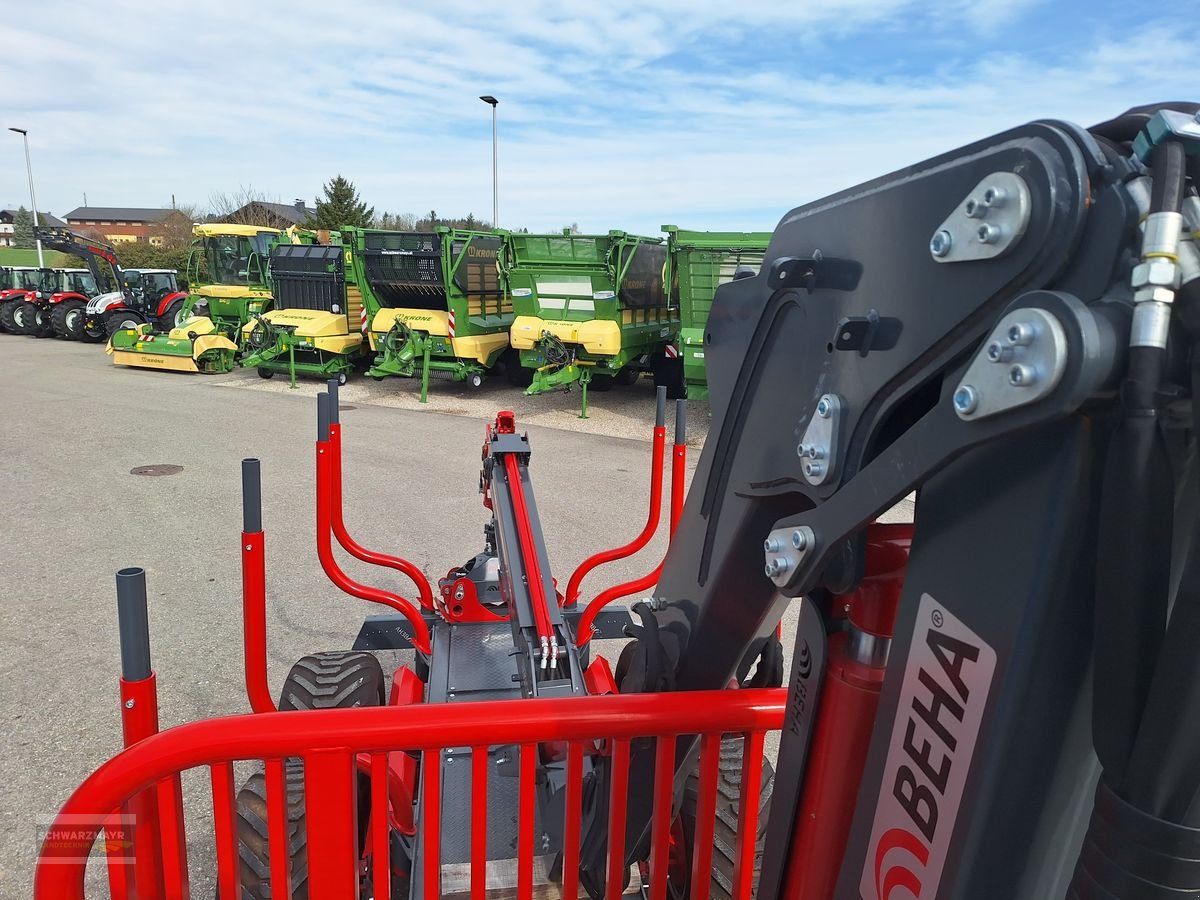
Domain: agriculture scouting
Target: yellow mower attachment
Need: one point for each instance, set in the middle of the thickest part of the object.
(194, 346)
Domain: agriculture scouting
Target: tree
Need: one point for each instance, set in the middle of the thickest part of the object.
(237, 207)
(396, 222)
(341, 206)
(176, 231)
(23, 229)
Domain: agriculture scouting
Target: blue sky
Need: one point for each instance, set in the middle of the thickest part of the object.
(612, 115)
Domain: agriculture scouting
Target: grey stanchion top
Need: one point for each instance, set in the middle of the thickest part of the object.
(660, 412)
(133, 624)
(251, 496)
(681, 421)
(333, 401)
(322, 417)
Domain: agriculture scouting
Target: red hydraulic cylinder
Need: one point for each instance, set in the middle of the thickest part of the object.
(849, 701)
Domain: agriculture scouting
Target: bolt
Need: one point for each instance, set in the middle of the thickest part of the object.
(940, 243)
(781, 564)
(802, 450)
(813, 469)
(1020, 334)
(975, 210)
(1021, 376)
(815, 451)
(248, 547)
(988, 234)
(449, 759)
(998, 353)
(772, 545)
(799, 539)
(993, 197)
(129, 704)
(966, 399)
(824, 408)
(769, 570)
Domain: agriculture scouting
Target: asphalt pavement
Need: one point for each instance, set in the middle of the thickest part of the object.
(73, 427)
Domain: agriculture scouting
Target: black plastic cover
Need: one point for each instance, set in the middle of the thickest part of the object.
(642, 286)
(308, 276)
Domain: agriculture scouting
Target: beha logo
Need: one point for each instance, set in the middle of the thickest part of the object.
(804, 661)
(942, 700)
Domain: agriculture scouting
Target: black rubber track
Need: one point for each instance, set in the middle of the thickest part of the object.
(729, 798)
(320, 681)
(254, 858)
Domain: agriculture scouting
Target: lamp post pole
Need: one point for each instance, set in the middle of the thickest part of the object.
(32, 196)
(493, 103)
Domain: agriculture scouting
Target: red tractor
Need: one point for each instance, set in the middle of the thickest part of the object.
(111, 299)
(18, 284)
(1001, 700)
(148, 295)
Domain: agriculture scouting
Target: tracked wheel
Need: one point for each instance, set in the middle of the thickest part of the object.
(43, 323)
(627, 376)
(91, 329)
(172, 316)
(725, 829)
(67, 319)
(320, 681)
(122, 320)
(518, 376)
(24, 317)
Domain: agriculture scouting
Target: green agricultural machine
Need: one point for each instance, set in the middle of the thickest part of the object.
(229, 284)
(433, 303)
(591, 309)
(697, 262)
(315, 327)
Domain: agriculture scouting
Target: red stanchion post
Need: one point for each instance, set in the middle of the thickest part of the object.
(646, 582)
(656, 477)
(254, 590)
(420, 637)
(139, 720)
(348, 543)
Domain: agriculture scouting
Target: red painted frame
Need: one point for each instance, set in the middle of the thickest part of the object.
(330, 741)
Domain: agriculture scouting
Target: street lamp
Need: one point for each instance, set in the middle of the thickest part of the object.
(493, 103)
(32, 196)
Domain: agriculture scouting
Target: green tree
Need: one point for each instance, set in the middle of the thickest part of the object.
(23, 229)
(341, 206)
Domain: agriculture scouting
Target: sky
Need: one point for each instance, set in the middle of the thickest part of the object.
(618, 114)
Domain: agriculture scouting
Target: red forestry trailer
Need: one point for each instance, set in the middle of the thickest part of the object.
(1002, 701)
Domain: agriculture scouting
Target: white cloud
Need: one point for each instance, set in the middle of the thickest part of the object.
(620, 114)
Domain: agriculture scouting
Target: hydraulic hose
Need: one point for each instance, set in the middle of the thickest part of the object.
(1135, 524)
(1146, 710)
